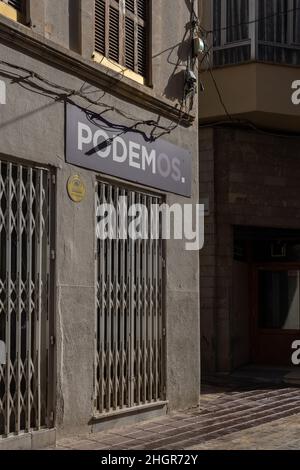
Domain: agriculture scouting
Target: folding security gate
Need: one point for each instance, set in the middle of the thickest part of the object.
(129, 352)
(24, 298)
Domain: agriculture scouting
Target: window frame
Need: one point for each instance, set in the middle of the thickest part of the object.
(253, 39)
(120, 66)
(13, 13)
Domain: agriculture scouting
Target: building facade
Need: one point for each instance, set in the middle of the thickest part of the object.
(93, 332)
(249, 179)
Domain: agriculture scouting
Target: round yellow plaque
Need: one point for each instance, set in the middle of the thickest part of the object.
(76, 188)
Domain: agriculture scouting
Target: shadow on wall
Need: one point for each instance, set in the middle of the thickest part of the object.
(175, 86)
(176, 83)
(190, 5)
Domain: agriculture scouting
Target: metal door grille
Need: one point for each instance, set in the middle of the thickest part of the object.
(24, 280)
(129, 319)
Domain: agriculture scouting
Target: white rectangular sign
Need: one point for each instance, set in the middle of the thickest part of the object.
(95, 143)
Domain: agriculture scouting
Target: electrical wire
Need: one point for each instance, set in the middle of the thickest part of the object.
(245, 23)
(232, 120)
(210, 70)
(250, 125)
(69, 93)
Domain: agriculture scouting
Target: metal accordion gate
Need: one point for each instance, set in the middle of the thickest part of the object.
(24, 298)
(129, 349)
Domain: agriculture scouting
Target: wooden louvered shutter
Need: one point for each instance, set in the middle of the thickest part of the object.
(113, 51)
(136, 15)
(107, 28)
(100, 21)
(121, 32)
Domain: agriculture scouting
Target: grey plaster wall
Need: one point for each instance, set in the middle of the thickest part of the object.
(59, 21)
(251, 179)
(32, 129)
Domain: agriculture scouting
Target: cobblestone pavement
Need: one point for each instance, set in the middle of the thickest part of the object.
(230, 417)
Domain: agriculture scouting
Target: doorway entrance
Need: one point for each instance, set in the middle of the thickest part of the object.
(276, 314)
(26, 299)
(130, 330)
(271, 262)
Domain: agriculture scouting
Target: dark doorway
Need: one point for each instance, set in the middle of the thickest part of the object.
(271, 259)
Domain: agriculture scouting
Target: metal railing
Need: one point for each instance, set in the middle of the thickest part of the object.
(259, 34)
(129, 364)
(24, 291)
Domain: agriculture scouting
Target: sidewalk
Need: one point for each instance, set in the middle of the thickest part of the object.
(230, 417)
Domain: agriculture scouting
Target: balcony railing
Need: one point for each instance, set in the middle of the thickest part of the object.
(256, 30)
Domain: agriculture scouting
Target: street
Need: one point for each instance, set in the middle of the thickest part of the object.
(230, 417)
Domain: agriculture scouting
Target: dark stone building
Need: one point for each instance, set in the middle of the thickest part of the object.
(249, 179)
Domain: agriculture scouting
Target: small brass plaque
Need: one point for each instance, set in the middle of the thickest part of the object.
(76, 188)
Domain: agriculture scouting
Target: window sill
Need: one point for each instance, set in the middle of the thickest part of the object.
(115, 67)
(11, 13)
